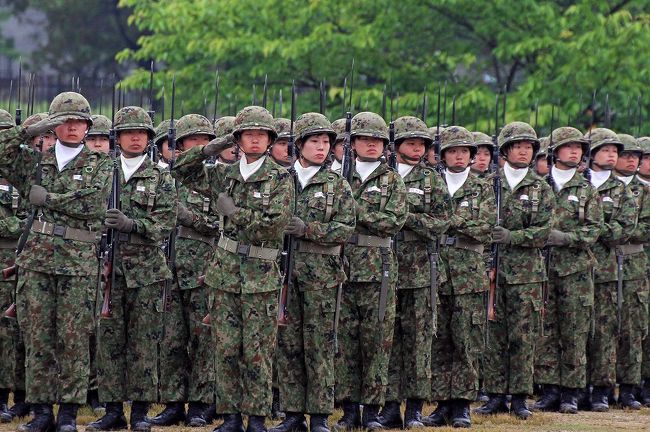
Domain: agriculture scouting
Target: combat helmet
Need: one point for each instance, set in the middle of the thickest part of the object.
(282, 127)
(313, 123)
(101, 126)
(631, 144)
(516, 132)
(224, 126)
(194, 124)
(599, 137)
(254, 118)
(133, 117)
(457, 136)
(411, 127)
(70, 106)
(6, 120)
(369, 124)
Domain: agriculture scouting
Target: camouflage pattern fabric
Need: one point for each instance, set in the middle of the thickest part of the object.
(174, 363)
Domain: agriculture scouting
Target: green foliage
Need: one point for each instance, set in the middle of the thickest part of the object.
(543, 53)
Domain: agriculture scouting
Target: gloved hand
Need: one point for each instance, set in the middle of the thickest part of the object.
(500, 235)
(558, 238)
(37, 195)
(43, 126)
(296, 227)
(184, 216)
(225, 205)
(115, 219)
(217, 145)
(456, 222)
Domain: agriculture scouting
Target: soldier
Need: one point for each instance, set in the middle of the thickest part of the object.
(57, 267)
(643, 176)
(634, 313)
(142, 220)
(186, 361)
(461, 312)
(409, 373)
(338, 126)
(485, 148)
(431, 159)
(224, 126)
(526, 208)
(561, 363)
(160, 141)
(97, 139)
(541, 165)
(279, 150)
(324, 220)
(256, 198)
(368, 301)
(48, 138)
(619, 216)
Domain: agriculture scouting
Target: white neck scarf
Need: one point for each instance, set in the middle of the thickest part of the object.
(598, 178)
(642, 180)
(561, 177)
(248, 169)
(131, 165)
(305, 174)
(162, 164)
(456, 180)
(65, 154)
(625, 179)
(514, 176)
(365, 168)
(404, 169)
(336, 166)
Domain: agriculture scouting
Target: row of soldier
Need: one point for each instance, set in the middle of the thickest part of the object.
(390, 280)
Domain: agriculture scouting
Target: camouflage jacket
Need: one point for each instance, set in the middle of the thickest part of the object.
(526, 211)
(380, 214)
(193, 256)
(265, 201)
(619, 219)
(474, 204)
(428, 211)
(326, 225)
(13, 212)
(635, 265)
(149, 198)
(578, 213)
(76, 198)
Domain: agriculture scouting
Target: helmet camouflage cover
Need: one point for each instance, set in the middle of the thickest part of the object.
(313, 123)
(254, 118)
(644, 143)
(517, 132)
(411, 127)
(567, 135)
(481, 139)
(282, 127)
(161, 131)
(101, 126)
(224, 126)
(599, 137)
(133, 117)
(369, 124)
(70, 106)
(630, 144)
(6, 120)
(457, 136)
(338, 126)
(194, 124)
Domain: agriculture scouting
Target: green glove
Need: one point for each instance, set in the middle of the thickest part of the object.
(43, 126)
(37, 195)
(217, 145)
(501, 235)
(558, 238)
(117, 220)
(185, 217)
(225, 205)
(296, 227)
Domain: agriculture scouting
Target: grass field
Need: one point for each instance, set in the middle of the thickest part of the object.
(614, 420)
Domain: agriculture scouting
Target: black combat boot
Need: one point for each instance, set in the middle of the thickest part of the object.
(519, 408)
(645, 393)
(256, 424)
(569, 401)
(599, 400)
(293, 422)
(611, 396)
(460, 417)
(173, 414)
(211, 414)
(550, 400)
(231, 423)
(370, 418)
(196, 412)
(413, 414)
(92, 400)
(138, 418)
(482, 396)
(440, 416)
(43, 420)
(276, 413)
(584, 399)
(66, 419)
(626, 397)
(390, 416)
(113, 419)
(497, 404)
(351, 417)
(5, 415)
(20, 407)
(318, 423)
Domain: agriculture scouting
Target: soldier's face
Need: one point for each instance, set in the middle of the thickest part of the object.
(605, 158)
(520, 154)
(72, 131)
(98, 143)
(628, 162)
(541, 166)
(368, 147)
(280, 152)
(482, 159)
(338, 151)
(570, 153)
(192, 141)
(316, 148)
(457, 157)
(48, 142)
(644, 166)
(411, 151)
(133, 142)
(254, 143)
(432, 157)
(166, 153)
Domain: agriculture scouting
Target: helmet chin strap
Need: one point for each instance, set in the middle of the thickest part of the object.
(456, 169)
(518, 165)
(570, 164)
(604, 167)
(407, 159)
(626, 173)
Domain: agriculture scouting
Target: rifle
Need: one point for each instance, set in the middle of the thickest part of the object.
(171, 243)
(265, 90)
(494, 270)
(436, 140)
(288, 254)
(153, 150)
(20, 81)
(216, 97)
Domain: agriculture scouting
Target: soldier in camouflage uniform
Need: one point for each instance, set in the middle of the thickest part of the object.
(161, 142)
(541, 166)
(619, 217)
(409, 373)
(634, 313)
(186, 360)
(643, 176)
(255, 198)
(561, 360)
(338, 126)
(128, 360)
(279, 150)
(324, 220)
(481, 163)
(224, 126)
(368, 303)
(42, 142)
(97, 139)
(431, 159)
(461, 310)
(57, 268)
(526, 209)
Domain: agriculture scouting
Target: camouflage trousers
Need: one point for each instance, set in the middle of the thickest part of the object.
(245, 328)
(174, 359)
(361, 366)
(645, 366)
(409, 371)
(561, 355)
(601, 349)
(509, 355)
(55, 315)
(457, 346)
(634, 329)
(127, 361)
(8, 329)
(305, 355)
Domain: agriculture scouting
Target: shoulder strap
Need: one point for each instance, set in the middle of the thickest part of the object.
(329, 194)
(582, 204)
(384, 191)
(90, 168)
(427, 190)
(151, 192)
(266, 193)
